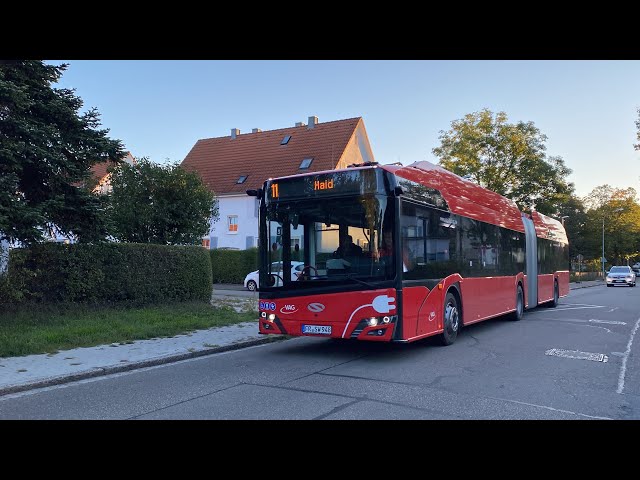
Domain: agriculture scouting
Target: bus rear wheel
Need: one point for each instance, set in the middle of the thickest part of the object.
(517, 315)
(451, 319)
(556, 296)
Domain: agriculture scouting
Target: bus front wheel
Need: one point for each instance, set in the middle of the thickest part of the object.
(451, 320)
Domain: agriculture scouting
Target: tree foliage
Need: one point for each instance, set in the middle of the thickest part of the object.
(507, 158)
(619, 211)
(47, 148)
(574, 216)
(164, 204)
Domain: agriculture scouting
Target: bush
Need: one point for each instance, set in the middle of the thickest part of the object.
(103, 273)
(231, 266)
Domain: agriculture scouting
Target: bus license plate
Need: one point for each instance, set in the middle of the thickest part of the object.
(317, 329)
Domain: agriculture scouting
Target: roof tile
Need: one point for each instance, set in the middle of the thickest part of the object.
(221, 161)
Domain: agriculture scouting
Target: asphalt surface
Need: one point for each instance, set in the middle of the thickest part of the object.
(543, 367)
(43, 370)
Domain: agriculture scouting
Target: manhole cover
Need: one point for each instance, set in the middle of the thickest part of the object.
(594, 357)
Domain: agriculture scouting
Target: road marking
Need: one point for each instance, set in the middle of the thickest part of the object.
(584, 305)
(578, 355)
(613, 309)
(551, 408)
(609, 322)
(580, 308)
(623, 368)
(595, 326)
(563, 309)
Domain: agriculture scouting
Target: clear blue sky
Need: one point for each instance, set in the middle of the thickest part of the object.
(159, 109)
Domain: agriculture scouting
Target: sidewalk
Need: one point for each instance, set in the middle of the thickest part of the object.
(35, 371)
(587, 284)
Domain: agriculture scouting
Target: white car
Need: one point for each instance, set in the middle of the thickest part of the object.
(251, 280)
(621, 275)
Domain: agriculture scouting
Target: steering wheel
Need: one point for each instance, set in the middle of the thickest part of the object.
(272, 280)
(301, 272)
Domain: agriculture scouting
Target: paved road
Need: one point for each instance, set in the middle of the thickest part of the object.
(543, 367)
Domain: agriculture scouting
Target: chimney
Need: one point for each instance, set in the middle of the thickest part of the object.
(256, 130)
(313, 121)
(299, 124)
(234, 133)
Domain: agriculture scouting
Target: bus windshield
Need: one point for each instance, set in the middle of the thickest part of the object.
(339, 239)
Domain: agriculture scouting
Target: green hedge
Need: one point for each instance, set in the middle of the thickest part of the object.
(103, 273)
(231, 266)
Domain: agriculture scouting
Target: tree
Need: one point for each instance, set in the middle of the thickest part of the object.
(507, 158)
(151, 203)
(47, 148)
(620, 211)
(574, 223)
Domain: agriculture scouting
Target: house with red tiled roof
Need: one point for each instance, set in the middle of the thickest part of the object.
(99, 183)
(231, 165)
(101, 177)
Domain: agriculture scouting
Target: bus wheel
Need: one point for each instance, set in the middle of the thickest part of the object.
(517, 315)
(556, 296)
(451, 320)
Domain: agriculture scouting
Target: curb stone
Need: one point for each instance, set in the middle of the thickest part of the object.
(102, 371)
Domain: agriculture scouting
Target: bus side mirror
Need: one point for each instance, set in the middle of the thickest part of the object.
(398, 191)
(255, 193)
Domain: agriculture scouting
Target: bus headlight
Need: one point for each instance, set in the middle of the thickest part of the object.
(373, 321)
(272, 317)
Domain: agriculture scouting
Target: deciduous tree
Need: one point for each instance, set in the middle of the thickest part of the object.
(152, 203)
(508, 158)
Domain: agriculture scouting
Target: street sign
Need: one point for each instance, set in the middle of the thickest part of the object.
(579, 257)
(603, 259)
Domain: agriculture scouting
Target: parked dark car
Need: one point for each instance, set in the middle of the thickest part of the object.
(621, 275)
(636, 268)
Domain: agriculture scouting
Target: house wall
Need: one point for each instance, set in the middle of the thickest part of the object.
(246, 210)
(358, 149)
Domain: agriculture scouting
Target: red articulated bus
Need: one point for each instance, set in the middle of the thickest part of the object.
(399, 253)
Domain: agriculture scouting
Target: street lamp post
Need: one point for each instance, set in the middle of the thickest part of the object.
(602, 259)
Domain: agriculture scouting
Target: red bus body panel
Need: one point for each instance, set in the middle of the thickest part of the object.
(342, 311)
(484, 298)
(463, 197)
(422, 309)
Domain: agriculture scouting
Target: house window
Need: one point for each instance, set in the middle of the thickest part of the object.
(206, 243)
(232, 222)
(285, 140)
(242, 179)
(306, 163)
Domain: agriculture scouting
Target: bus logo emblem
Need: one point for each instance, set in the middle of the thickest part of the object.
(289, 309)
(315, 307)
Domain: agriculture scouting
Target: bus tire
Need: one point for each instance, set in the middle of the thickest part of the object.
(519, 312)
(556, 296)
(451, 319)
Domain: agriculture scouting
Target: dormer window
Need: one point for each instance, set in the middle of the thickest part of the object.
(306, 163)
(285, 140)
(242, 179)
